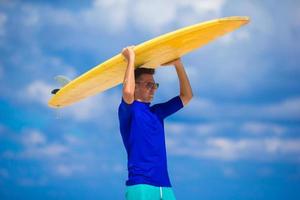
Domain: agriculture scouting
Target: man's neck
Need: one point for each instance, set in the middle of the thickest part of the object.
(140, 100)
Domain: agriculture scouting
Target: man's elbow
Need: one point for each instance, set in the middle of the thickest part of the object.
(186, 98)
(128, 91)
(189, 98)
(128, 97)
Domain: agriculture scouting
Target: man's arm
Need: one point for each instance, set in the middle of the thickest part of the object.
(186, 93)
(129, 81)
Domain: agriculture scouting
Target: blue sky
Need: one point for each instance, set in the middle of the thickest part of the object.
(237, 139)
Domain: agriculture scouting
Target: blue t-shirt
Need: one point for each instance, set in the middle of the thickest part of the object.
(142, 130)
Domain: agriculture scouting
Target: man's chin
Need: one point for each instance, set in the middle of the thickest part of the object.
(150, 99)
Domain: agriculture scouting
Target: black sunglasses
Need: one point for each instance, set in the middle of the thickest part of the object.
(150, 85)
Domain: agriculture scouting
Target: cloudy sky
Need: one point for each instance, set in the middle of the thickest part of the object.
(239, 138)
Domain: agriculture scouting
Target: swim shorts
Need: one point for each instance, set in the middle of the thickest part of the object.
(149, 192)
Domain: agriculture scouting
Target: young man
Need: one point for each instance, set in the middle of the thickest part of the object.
(142, 130)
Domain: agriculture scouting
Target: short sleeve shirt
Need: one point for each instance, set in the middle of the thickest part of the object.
(142, 131)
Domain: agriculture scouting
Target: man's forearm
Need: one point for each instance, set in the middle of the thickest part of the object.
(129, 82)
(185, 87)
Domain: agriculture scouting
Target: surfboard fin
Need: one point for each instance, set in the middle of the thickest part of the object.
(54, 91)
(62, 80)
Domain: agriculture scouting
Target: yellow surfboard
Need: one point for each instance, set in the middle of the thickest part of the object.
(150, 54)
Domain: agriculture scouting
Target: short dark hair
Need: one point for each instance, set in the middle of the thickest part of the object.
(139, 71)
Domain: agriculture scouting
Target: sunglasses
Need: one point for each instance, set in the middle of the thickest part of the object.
(150, 85)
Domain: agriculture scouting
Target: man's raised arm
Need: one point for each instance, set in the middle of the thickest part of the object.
(129, 81)
(186, 93)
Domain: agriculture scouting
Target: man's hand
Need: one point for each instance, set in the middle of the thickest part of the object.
(128, 53)
(175, 62)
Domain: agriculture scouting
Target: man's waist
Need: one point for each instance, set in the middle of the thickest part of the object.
(155, 181)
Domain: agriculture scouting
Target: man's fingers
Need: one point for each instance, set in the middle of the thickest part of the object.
(167, 63)
(128, 52)
(128, 47)
(173, 62)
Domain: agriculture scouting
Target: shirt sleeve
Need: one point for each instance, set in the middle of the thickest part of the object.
(124, 111)
(168, 108)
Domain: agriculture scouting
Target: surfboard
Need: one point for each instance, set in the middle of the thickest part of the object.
(150, 54)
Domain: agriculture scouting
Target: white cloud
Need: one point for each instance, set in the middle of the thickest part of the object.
(85, 109)
(112, 14)
(157, 16)
(50, 150)
(284, 146)
(72, 140)
(148, 16)
(67, 170)
(37, 146)
(288, 109)
(54, 150)
(37, 91)
(258, 128)
(57, 62)
(108, 16)
(203, 140)
(114, 167)
(220, 148)
(175, 128)
(70, 72)
(227, 149)
(199, 129)
(40, 91)
(96, 107)
(82, 169)
(235, 36)
(153, 16)
(90, 108)
(196, 11)
(203, 6)
(34, 137)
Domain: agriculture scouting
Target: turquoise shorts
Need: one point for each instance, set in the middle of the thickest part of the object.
(149, 192)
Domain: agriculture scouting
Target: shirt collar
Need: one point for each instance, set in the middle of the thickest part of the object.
(144, 103)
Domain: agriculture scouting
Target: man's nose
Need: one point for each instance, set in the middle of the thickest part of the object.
(153, 90)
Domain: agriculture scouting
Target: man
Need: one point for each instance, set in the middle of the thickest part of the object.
(142, 129)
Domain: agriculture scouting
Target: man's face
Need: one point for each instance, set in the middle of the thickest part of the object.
(145, 88)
